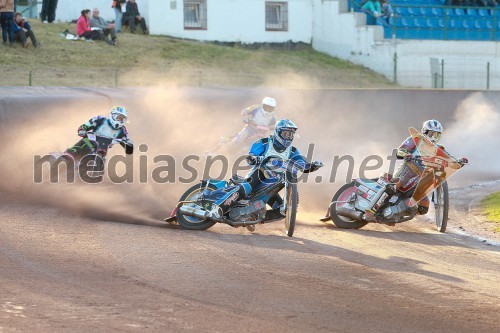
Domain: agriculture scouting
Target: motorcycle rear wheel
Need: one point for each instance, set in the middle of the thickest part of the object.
(292, 201)
(340, 221)
(190, 222)
(441, 202)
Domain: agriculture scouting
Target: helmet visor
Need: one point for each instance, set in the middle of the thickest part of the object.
(287, 134)
(433, 135)
(268, 108)
(119, 118)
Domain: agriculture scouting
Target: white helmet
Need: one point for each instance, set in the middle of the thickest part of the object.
(118, 117)
(268, 105)
(433, 129)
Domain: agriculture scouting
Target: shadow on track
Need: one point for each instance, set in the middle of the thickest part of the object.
(306, 246)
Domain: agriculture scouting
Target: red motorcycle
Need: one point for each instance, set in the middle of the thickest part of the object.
(390, 200)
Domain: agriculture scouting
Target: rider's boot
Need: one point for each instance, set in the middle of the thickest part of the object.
(274, 214)
(423, 206)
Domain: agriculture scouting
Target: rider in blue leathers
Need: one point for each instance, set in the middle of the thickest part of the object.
(278, 146)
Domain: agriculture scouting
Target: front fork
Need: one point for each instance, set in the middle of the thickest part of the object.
(285, 199)
(435, 197)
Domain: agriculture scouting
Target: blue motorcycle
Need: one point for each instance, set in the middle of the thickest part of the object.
(195, 206)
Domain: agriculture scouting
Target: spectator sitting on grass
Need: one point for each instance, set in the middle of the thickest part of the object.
(133, 17)
(108, 28)
(372, 7)
(22, 30)
(83, 27)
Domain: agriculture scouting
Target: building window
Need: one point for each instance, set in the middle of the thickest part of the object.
(195, 14)
(276, 16)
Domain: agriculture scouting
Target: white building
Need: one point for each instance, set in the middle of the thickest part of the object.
(326, 24)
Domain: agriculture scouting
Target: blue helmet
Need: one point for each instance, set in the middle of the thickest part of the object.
(284, 130)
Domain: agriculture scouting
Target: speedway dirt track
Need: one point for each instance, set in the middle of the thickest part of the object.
(98, 257)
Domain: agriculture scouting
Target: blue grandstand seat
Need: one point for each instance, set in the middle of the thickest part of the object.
(468, 24)
(420, 22)
(449, 12)
(414, 11)
(436, 11)
(404, 22)
(398, 22)
(425, 11)
(480, 24)
(471, 12)
(489, 24)
(432, 23)
(458, 23)
(483, 12)
(459, 12)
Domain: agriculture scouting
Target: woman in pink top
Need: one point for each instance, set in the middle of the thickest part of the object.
(83, 27)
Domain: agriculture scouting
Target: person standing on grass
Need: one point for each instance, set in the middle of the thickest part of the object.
(7, 20)
(48, 13)
(108, 28)
(22, 30)
(117, 5)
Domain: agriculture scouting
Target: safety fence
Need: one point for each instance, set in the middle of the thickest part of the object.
(116, 77)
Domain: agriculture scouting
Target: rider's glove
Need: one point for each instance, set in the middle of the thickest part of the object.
(129, 146)
(245, 120)
(82, 133)
(463, 160)
(408, 157)
(315, 165)
(252, 159)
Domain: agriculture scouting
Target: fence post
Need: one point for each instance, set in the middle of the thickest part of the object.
(30, 78)
(442, 73)
(488, 75)
(395, 65)
(31, 4)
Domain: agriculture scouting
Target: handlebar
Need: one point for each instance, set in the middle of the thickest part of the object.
(94, 137)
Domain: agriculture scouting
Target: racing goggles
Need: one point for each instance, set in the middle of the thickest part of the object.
(268, 108)
(433, 135)
(120, 118)
(287, 134)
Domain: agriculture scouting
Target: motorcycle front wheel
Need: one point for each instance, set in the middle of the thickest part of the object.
(343, 194)
(441, 202)
(292, 201)
(191, 222)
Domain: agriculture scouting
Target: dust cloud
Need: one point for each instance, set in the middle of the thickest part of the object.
(179, 122)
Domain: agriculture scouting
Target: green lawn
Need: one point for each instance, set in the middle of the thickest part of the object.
(149, 60)
(491, 207)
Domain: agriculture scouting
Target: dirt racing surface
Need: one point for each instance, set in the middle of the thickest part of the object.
(66, 273)
(79, 257)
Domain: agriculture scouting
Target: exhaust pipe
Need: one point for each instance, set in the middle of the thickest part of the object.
(352, 214)
(194, 212)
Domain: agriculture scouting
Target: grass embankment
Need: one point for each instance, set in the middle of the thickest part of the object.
(147, 60)
(491, 207)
